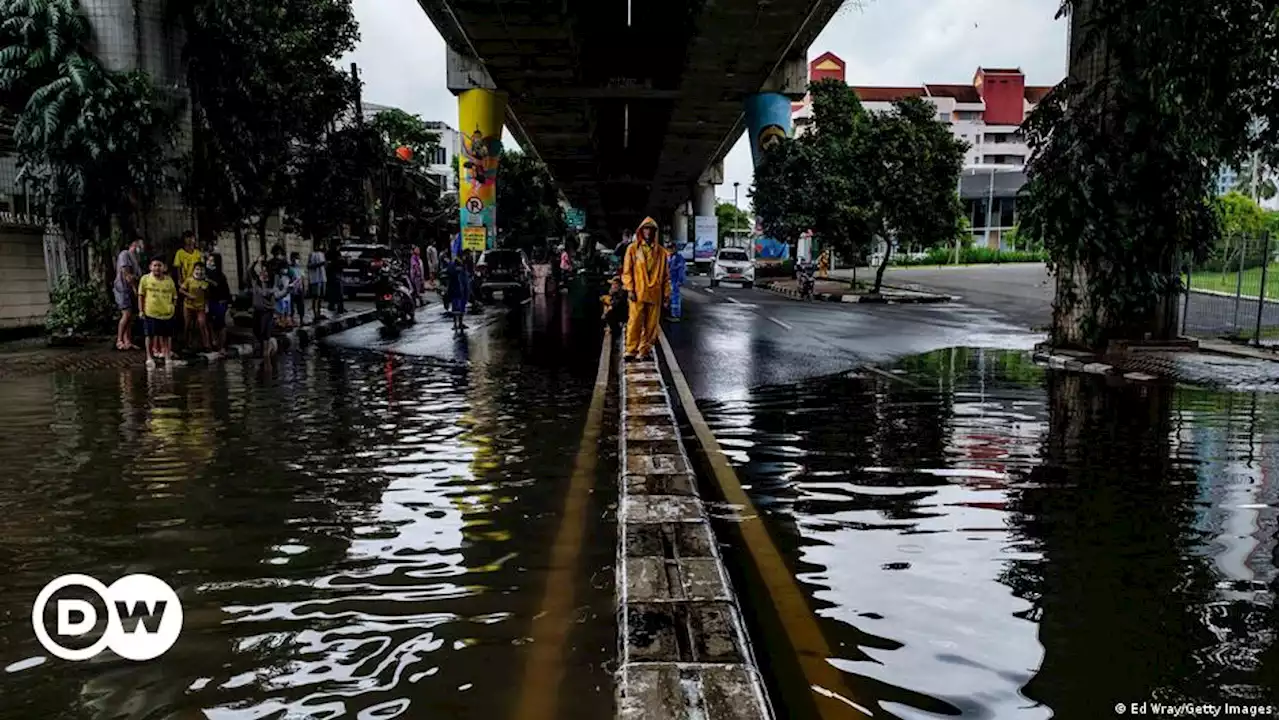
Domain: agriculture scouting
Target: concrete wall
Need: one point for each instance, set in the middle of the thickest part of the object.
(226, 245)
(24, 285)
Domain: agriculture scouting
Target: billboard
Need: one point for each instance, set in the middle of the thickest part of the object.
(704, 237)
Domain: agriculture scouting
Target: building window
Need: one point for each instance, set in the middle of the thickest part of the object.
(942, 117)
(968, 114)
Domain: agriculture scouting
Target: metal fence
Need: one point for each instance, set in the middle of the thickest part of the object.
(1234, 294)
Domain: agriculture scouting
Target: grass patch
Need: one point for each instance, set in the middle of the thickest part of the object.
(1225, 282)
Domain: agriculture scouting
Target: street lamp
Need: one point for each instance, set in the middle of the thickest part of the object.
(736, 212)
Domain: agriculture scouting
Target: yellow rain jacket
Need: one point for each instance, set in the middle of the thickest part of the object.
(644, 268)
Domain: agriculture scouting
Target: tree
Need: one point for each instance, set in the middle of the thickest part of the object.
(859, 177)
(730, 218)
(1266, 181)
(1125, 154)
(815, 182)
(914, 161)
(95, 145)
(528, 202)
(264, 82)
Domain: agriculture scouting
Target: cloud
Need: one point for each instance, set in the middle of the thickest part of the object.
(884, 42)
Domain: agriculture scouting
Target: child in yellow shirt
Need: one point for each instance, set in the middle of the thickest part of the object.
(157, 298)
(195, 290)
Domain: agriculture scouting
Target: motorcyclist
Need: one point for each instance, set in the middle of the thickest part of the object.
(805, 276)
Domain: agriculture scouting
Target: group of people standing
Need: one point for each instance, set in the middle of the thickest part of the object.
(195, 283)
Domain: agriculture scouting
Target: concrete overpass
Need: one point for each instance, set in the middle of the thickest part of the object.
(630, 104)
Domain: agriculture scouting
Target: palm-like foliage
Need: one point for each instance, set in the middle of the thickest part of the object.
(95, 144)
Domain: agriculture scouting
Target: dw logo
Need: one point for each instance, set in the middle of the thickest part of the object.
(142, 614)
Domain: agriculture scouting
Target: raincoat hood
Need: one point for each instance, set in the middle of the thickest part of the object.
(649, 222)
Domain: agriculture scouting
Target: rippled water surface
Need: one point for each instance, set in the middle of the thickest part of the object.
(363, 535)
(980, 540)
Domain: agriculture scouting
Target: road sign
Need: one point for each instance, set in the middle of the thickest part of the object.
(575, 218)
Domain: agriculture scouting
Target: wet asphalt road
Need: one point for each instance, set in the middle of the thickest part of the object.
(733, 339)
(1023, 292)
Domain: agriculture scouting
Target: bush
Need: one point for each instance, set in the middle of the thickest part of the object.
(972, 256)
(77, 307)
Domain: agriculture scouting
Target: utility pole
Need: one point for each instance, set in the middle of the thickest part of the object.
(736, 211)
(960, 196)
(991, 192)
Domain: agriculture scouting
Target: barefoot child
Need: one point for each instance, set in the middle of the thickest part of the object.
(195, 291)
(157, 297)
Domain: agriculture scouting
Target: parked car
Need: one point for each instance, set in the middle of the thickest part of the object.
(504, 271)
(733, 265)
(358, 276)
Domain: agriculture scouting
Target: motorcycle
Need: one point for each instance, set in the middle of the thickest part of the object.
(805, 276)
(394, 299)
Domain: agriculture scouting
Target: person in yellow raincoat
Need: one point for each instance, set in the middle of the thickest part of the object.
(648, 284)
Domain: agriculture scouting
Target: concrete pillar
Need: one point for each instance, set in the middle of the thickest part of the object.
(769, 111)
(481, 110)
(680, 226)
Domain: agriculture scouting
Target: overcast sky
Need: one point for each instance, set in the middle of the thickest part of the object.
(884, 42)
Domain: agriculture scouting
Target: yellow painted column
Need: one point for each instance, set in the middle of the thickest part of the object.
(480, 114)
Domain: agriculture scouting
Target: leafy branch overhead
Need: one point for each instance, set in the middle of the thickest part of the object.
(1125, 153)
(96, 144)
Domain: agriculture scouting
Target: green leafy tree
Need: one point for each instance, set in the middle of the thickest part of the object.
(1266, 181)
(859, 177)
(95, 145)
(914, 162)
(815, 182)
(528, 203)
(264, 82)
(1125, 154)
(730, 218)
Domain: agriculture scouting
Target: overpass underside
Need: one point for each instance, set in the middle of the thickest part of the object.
(628, 102)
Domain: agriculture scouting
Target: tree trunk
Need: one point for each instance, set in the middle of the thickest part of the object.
(242, 267)
(1080, 318)
(884, 264)
(261, 228)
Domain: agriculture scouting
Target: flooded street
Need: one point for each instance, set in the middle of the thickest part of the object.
(980, 540)
(365, 534)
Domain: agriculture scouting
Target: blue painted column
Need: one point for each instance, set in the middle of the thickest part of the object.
(768, 121)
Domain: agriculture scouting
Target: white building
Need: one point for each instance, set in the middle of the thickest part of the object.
(445, 162)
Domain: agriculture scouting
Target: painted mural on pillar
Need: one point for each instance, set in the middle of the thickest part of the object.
(768, 121)
(480, 114)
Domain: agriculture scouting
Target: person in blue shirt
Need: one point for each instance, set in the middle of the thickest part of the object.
(676, 266)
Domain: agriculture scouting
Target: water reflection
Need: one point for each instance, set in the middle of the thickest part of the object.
(984, 541)
(364, 534)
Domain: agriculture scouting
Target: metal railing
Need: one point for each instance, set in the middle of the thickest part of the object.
(1235, 294)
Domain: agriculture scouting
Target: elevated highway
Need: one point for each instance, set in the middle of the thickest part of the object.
(629, 103)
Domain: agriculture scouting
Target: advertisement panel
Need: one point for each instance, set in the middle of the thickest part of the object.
(704, 237)
(771, 250)
(480, 114)
(768, 121)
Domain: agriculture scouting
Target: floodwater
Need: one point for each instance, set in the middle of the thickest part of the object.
(980, 540)
(362, 534)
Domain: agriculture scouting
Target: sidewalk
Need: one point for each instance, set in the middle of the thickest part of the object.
(1213, 365)
(34, 356)
(839, 291)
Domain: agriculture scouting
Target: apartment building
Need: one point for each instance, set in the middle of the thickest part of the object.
(986, 114)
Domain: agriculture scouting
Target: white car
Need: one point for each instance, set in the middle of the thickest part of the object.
(733, 265)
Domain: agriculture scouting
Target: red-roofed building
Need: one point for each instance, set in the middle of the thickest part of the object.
(986, 113)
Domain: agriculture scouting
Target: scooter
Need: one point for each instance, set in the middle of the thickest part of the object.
(805, 277)
(394, 303)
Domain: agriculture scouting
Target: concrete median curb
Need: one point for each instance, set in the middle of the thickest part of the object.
(881, 299)
(683, 646)
(292, 339)
(1073, 361)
